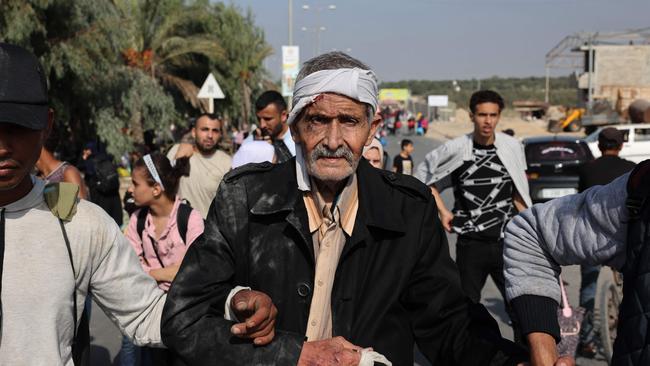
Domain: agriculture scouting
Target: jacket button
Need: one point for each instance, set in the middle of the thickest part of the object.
(303, 289)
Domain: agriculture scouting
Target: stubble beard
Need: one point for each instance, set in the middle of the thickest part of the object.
(206, 151)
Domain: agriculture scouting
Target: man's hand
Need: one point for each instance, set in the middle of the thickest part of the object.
(565, 361)
(562, 361)
(166, 274)
(258, 312)
(332, 351)
(446, 217)
(543, 351)
(184, 150)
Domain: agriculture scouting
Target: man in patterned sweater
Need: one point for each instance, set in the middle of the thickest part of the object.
(487, 172)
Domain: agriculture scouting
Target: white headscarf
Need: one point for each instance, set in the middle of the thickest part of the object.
(355, 83)
(375, 144)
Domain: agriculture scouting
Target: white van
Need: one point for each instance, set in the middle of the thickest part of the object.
(636, 141)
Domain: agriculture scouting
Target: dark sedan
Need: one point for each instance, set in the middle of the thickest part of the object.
(553, 165)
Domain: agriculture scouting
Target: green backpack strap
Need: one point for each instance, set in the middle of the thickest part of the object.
(62, 199)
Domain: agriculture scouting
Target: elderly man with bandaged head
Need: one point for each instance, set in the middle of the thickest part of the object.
(353, 257)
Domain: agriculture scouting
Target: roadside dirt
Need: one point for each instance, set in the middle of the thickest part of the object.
(462, 125)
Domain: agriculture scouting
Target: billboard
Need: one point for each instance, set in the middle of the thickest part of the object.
(290, 68)
(400, 95)
(438, 100)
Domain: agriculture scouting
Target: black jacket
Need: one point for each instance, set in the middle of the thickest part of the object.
(632, 347)
(395, 283)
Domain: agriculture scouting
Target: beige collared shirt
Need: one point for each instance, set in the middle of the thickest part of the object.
(329, 228)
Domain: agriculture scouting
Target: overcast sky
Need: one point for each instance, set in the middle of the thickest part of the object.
(442, 39)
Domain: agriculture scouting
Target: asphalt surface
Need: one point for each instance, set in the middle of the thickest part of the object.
(106, 339)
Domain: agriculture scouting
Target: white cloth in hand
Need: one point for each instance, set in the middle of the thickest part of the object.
(369, 357)
(228, 313)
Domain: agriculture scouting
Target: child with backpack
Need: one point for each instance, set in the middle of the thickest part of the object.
(163, 227)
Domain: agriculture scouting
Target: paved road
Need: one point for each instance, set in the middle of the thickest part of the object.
(106, 338)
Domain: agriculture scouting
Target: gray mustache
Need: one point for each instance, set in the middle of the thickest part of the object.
(321, 151)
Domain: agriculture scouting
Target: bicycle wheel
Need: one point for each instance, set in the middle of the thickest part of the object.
(610, 299)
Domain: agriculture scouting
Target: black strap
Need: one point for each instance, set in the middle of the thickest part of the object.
(154, 245)
(74, 277)
(182, 219)
(142, 220)
(81, 338)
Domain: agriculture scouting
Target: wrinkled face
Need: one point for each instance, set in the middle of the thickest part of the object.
(143, 192)
(207, 134)
(374, 157)
(271, 120)
(485, 119)
(20, 148)
(332, 132)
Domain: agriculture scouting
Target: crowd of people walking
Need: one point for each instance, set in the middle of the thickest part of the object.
(304, 247)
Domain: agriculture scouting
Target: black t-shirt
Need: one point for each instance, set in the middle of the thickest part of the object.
(403, 165)
(603, 170)
(483, 195)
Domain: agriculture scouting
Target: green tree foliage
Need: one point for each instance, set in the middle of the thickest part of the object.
(563, 89)
(165, 38)
(133, 101)
(119, 67)
(74, 42)
(242, 70)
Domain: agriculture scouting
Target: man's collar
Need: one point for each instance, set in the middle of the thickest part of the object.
(346, 203)
(370, 190)
(379, 201)
(280, 194)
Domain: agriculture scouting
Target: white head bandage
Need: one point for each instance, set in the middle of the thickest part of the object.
(354, 83)
(152, 170)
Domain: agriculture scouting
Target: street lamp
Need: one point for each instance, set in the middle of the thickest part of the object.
(319, 28)
(330, 7)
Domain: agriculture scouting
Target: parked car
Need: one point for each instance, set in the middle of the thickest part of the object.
(553, 165)
(636, 141)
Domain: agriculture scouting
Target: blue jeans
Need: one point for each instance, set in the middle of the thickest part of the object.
(128, 353)
(588, 286)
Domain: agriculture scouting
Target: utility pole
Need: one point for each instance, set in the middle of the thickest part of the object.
(590, 80)
(290, 22)
(546, 89)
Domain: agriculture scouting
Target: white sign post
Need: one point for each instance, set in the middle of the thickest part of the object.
(438, 100)
(210, 90)
(290, 68)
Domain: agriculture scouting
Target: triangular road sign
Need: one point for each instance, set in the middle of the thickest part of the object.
(211, 89)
